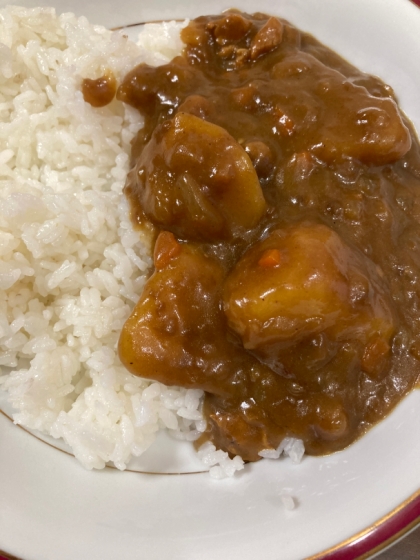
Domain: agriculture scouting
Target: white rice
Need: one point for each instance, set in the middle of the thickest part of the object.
(288, 501)
(290, 447)
(71, 266)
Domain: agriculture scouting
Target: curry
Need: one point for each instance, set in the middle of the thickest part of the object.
(282, 186)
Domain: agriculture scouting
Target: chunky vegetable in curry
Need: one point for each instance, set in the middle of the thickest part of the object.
(283, 186)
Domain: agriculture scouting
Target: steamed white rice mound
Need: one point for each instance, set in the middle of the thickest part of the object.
(71, 266)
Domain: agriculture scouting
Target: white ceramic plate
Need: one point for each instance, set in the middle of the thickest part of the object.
(349, 504)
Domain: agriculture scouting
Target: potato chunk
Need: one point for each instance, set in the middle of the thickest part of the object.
(195, 180)
(175, 334)
(302, 281)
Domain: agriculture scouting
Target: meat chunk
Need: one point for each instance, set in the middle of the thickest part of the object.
(354, 123)
(232, 27)
(268, 38)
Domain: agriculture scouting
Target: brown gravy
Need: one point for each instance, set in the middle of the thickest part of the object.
(285, 187)
(101, 91)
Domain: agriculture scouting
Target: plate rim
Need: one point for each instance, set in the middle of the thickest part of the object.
(364, 544)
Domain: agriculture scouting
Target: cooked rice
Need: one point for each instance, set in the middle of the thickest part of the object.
(71, 266)
(288, 501)
(291, 447)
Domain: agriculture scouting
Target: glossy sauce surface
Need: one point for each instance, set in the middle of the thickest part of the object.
(100, 91)
(283, 188)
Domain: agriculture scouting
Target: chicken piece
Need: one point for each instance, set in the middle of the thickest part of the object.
(304, 281)
(150, 89)
(356, 124)
(195, 180)
(269, 414)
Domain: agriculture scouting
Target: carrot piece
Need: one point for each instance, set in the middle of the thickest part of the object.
(166, 248)
(270, 258)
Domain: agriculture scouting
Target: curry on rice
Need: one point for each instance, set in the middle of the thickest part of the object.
(281, 184)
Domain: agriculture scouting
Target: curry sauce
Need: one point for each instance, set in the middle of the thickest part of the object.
(282, 185)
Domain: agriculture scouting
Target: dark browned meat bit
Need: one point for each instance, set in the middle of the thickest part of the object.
(261, 157)
(286, 185)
